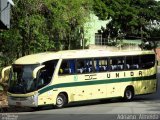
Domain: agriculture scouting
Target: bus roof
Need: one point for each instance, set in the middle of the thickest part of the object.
(68, 54)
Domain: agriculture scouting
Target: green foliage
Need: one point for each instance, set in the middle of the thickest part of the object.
(129, 17)
(70, 18)
(43, 25)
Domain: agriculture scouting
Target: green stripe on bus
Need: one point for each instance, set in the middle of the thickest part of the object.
(95, 82)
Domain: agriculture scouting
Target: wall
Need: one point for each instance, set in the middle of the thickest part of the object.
(92, 27)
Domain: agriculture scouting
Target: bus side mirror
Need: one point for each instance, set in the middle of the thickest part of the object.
(35, 71)
(5, 74)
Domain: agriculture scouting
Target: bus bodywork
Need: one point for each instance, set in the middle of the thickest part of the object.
(67, 76)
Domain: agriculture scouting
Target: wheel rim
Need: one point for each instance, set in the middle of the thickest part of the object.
(128, 94)
(60, 101)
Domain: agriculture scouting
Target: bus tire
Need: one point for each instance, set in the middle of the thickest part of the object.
(128, 94)
(61, 100)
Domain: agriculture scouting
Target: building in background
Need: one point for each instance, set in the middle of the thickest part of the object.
(92, 30)
(93, 34)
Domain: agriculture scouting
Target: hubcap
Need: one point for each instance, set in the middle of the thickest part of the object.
(59, 101)
(128, 94)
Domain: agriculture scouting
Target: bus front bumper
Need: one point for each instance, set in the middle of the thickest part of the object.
(30, 101)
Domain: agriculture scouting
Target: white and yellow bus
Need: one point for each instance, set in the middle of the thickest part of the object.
(58, 78)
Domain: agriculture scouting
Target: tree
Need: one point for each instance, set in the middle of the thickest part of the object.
(68, 18)
(38, 26)
(27, 31)
(129, 17)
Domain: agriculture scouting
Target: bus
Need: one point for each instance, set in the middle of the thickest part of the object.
(62, 77)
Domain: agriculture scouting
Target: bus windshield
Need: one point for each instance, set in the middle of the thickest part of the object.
(21, 80)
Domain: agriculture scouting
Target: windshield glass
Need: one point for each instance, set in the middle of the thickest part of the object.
(21, 80)
(21, 77)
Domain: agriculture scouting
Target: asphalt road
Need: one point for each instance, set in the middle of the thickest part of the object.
(148, 105)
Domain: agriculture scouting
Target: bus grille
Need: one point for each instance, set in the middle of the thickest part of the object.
(19, 98)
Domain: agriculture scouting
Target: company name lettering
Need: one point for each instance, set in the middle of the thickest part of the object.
(123, 74)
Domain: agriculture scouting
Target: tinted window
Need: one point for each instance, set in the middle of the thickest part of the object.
(67, 67)
(101, 64)
(46, 73)
(132, 62)
(84, 66)
(21, 80)
(147, 61)
(116, 63)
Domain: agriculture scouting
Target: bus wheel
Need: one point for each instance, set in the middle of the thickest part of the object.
(61, 101)
(129, 94)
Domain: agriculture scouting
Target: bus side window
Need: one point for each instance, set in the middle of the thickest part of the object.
(120, 65)
(135, 62)
(132, 62)
(80, 66)
(96, 65)
(84, 66)
(147, 61)
(101, 64)
(46, 73)
(72, 65)
(113, 63)
(89, 65)
(128, 62)
(117, 63)
(67, 67)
